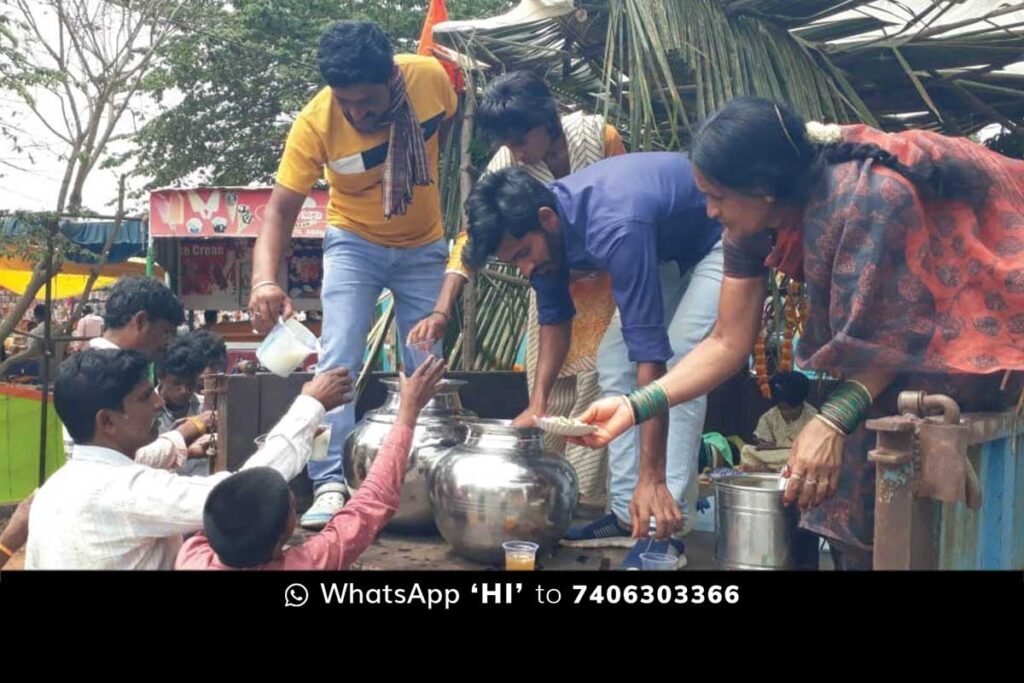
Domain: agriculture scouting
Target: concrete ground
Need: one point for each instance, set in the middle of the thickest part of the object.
(396, 552)
(393, 552)
(430, 552)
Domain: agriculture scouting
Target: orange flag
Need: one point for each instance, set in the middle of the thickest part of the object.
(436, 13)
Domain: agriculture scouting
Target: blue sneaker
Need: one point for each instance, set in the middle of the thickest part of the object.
(604, 532)
(673, 547)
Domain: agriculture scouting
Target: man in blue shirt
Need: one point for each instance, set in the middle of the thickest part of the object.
(641, 219)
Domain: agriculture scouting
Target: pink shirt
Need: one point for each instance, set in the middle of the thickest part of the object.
(90, 326)
(348, 533)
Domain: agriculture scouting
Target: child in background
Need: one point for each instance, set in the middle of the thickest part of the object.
(779, 426)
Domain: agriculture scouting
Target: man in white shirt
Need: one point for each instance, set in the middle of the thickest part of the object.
(142, 314)
(102, 510)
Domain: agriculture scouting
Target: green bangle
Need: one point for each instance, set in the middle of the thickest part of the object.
(648, 401)
(847, 405)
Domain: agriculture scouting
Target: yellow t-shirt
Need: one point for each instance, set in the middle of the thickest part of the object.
(322, 139)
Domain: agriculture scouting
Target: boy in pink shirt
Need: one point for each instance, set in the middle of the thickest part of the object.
(250, 516)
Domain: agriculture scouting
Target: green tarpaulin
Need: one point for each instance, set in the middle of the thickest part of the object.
(19, 442)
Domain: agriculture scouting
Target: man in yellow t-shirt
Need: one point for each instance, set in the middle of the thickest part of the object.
(375, 132)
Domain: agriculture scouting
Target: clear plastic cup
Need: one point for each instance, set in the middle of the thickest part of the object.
(520, 555)
(658, 562)
(286, 346)
(260, 441)
(419, 352)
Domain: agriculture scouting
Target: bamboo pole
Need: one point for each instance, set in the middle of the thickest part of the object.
(469, 302)
(502, 277)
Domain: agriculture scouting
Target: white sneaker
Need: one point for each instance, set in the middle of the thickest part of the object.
(328, 500)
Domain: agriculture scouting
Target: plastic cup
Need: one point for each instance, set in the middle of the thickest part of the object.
(287, 345)
(520, 555)
(320, 444)
(658, 562)
(419, 352)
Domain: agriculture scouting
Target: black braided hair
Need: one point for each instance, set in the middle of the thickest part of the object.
(758, 146)
(942, 180)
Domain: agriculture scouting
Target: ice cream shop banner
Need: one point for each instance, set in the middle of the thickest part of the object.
(227, 212)
(215, 273)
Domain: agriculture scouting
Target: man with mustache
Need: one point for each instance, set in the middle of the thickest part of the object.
(375, 134)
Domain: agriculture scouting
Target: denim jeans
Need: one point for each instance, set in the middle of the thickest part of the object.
(355, 272)
(691, 308)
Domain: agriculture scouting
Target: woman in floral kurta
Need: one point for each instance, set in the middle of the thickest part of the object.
(911, 246)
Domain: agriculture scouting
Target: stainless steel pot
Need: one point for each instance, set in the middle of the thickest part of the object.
(499, 485)
(754, 530)
(438, 429)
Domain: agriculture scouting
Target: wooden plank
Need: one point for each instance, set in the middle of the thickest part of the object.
(995, 503)
(958, 543)
(1016, 522)
(988, 538)
(236, 428)
(277, 395)
(493, 395)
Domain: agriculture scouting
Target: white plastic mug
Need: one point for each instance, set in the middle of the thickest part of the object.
(287, 345)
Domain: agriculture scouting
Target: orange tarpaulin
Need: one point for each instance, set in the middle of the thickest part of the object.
(15, 275)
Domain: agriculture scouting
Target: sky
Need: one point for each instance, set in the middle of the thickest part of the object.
(31, 180)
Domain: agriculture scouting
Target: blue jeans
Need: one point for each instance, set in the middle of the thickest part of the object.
(355, 272)
(691, 308)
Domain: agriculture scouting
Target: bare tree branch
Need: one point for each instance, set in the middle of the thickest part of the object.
(33, 106)
(31, 22)
(76, 44)
(108, 244)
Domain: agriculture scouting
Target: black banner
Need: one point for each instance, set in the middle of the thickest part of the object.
(305, 594)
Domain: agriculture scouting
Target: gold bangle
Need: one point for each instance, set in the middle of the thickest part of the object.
(6, 551)
(831, 425)
(198, 424)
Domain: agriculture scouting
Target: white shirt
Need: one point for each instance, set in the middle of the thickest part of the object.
(103, 343)
(90, 327)
(168, 452)
(103, 511)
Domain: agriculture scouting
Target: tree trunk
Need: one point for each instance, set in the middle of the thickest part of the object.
(94, 272)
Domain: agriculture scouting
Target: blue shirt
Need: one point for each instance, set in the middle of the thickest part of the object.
(624, 216)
